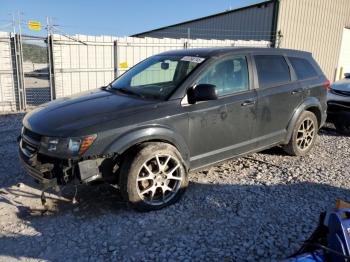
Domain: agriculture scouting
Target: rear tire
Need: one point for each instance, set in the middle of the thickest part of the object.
(153, 176)
(304, 135)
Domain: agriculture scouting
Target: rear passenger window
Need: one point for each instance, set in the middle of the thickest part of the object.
(272, 70)
(302, 68)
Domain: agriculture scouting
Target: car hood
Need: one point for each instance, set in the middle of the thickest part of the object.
(343, 85)
(74, 115)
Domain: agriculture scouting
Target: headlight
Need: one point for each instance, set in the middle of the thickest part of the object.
(74, 145)
(67, 146)
(80, 145)
(52, 144)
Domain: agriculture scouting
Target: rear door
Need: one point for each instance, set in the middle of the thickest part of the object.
(278, 97)
(310, 77)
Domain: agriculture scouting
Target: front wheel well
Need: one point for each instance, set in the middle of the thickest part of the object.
(119, 157)
(136, 145)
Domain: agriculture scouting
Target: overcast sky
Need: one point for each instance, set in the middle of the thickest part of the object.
(107, 17)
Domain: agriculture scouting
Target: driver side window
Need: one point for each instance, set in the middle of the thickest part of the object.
(229, 76)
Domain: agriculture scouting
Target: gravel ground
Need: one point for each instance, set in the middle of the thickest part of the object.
(256, 208)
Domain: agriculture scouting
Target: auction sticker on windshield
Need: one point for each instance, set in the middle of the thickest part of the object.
(193, 59)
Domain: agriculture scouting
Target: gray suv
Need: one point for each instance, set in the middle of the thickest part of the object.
(175, 112)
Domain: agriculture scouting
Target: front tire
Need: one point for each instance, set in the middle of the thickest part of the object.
(304, 135)
(153, 176)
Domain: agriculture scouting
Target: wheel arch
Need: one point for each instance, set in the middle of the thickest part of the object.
(317, 112)
(146, 135)
(311, 104)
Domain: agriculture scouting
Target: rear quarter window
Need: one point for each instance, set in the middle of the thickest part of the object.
(272, 70)
(302, 67)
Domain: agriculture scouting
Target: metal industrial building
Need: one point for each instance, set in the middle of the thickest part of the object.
(318, 26)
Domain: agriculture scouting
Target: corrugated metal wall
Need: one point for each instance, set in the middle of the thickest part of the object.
(315, 26)
(7, 88)
(251, 23)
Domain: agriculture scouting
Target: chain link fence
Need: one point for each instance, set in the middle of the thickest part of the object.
(35, 66)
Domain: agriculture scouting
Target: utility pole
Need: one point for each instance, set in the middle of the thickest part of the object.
(19, 23)
(16, 57)
(48, 25)
(229, 6)
(13, 23)
(49, 57)
(20, 67)
(188, 37)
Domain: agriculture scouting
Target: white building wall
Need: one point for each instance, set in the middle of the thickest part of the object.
(7, 89)
(87, 62)
(344, 57)
(82, 64)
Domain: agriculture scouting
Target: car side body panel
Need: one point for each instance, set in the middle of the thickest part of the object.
(149, 133)
(311, 104)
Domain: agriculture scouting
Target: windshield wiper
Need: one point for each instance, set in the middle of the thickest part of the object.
(107, 87)
(129, 92)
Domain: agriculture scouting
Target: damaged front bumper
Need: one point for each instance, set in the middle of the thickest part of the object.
(37, 174)
(50, 171)
(338, 111)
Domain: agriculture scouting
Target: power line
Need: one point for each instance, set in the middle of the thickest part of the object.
(6, 25)
(66, 35)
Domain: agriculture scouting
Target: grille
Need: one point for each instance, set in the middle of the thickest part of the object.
(30, 142)
(338, 105)
(339, 92)
(31, 135)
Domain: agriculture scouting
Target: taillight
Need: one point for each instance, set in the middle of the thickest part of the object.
(327, 84)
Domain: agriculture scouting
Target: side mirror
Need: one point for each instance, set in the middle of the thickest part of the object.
(202, 92)
(164, 65)
(347, 75)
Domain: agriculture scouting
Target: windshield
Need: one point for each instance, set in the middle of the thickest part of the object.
(156, 77)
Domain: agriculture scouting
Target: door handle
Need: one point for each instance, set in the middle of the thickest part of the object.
(298, 91)
(248, 103)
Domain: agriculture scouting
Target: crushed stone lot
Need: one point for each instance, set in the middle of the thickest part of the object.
(257, 208)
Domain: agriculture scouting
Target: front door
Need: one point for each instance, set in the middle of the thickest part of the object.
(222, 128)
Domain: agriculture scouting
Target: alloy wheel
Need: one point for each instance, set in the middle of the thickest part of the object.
(306, 134)
(159, 179)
